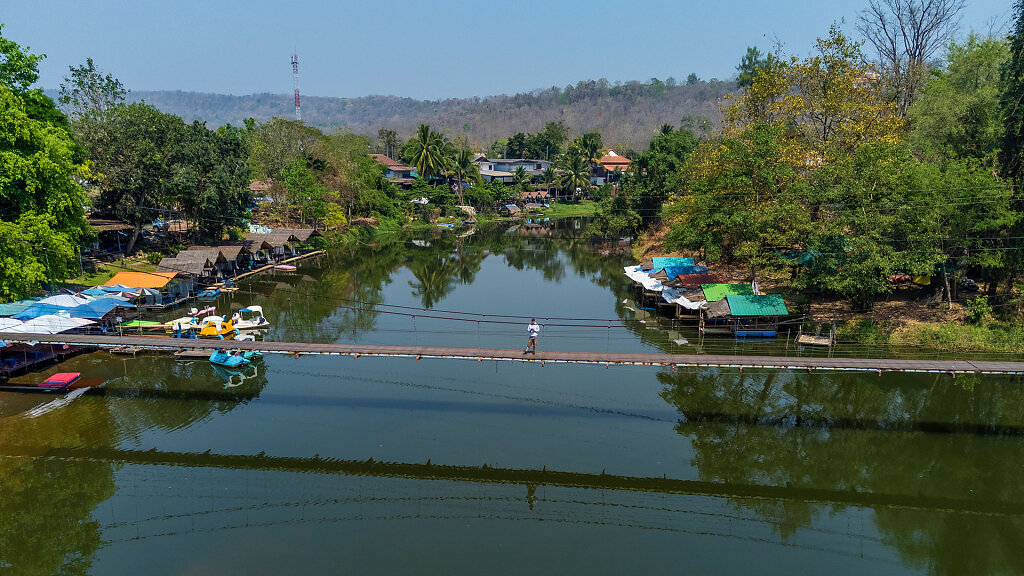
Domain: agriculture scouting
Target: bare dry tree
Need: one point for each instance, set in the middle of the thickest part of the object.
(907, 34)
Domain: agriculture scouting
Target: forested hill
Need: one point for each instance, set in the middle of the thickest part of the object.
(626, 115)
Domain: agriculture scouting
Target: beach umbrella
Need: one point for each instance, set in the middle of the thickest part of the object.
(97, 291)
(64, 300)
(110, 296)
(148, 292)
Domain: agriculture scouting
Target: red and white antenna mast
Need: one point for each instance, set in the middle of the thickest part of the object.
(295, 75)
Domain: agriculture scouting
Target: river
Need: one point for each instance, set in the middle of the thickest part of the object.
(389, 465)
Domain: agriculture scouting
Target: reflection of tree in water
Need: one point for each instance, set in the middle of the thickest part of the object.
(334, 296)
(899, 435)
(46, 524)
(46, 505)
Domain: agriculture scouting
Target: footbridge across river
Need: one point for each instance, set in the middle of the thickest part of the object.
(879, 365)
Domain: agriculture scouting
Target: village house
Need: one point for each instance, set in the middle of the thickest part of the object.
(502, 169)
(396, 172)
(609, 168)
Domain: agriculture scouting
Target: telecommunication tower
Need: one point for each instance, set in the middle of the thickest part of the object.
(295, 75)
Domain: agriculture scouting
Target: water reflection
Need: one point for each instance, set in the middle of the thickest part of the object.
(48, 502)
(904, 437)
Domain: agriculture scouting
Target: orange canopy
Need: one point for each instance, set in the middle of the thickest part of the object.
(141, 279)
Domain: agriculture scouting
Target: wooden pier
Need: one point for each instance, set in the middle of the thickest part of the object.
(296, 349)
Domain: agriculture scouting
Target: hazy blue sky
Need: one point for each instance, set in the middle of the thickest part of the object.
(418, 49)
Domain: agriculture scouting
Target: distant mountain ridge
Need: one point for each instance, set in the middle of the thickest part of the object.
(626, 115)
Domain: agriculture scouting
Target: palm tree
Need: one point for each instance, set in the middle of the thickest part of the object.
(521, 178)
(575, 173)
(429, 153)
(463, 168)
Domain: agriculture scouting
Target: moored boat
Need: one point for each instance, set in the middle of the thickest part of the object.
(284, 267)
(254, 321)
(216, 326)
(228, 359)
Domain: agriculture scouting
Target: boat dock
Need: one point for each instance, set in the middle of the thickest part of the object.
(268, 267)
(809, 364)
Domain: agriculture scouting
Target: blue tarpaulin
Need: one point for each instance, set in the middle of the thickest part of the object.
(12, 308)
(665, 262)
(673, 271)
(36, 310)
(98, 308)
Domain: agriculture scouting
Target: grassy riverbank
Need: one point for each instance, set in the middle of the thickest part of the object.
(950, 336)
(105, 271)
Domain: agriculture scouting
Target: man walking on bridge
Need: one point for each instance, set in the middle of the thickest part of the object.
(533, 329)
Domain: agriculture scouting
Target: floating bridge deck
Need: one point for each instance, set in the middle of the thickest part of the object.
(480, 354)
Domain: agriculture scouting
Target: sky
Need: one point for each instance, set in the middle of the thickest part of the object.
(423, 50)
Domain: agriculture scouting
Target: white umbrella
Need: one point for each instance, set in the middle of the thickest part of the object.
(50, 324)
(148, 292)
(7, 323)
(64, 300)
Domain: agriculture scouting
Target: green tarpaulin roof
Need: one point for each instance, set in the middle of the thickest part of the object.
(141, 323)
(750, 305)
(715, 292)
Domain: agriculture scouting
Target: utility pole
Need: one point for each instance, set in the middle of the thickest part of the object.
(295, 76)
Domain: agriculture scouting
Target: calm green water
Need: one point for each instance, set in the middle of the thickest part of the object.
(177, 468)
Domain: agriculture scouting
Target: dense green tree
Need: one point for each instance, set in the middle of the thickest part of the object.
(211, 180)
(751, 63)
(136, 161)
(19, 71)
(957, 113)
(516, 147)
(41, 203)
(305, 191)
(1012, 103)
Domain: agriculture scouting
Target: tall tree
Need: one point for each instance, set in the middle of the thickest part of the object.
(41, 203)
(19, 70)
(211, 180)
(428, 153)
(957, 113)
(906, 34)
(464, 168)
(575, 177)
(88, 93)
(1012, 103)
(136, 162)
(388, 141)
(749, 66)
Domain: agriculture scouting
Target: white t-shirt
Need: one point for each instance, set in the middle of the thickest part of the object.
(534, 330)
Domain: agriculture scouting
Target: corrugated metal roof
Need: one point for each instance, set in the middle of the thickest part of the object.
(761, 305)
(715, 292)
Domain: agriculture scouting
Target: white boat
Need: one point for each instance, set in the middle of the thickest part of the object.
(182, 324)
(254, 321)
